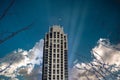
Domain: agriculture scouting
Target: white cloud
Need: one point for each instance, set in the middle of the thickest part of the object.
(104, 66)
(106, 52)
(21, 62)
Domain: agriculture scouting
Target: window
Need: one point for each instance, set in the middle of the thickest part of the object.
(57, 36)
(50, 50)
(57, 45)
(49, 71)
(61, 61)
(53, 76)
(58, 50)
(46, 62)
(53, 65)
(57, 65)
(46, 50)
(54, 45)
(58, 33)
(64, 37)
(64, 44)
(65, 51)
(57, 77)
(54, 40)
(54, 50)
(53, 71)
(61, 42)
(62, 73)
(57, 55)
(50, 76)
(58, 41)
(57, 60)
(54, 55)
(61, 35)
(46, 42)
(50, 55)
(54, 60)
(57, 71)
(50, 68)
(50, 45)
(50, 64)
(61, 64)
(61, 51)
(54, 34)
(50, 35)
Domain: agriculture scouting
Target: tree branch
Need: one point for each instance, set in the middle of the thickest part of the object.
(15, 33)
(7, 9)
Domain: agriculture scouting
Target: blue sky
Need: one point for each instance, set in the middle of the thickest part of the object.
(85, 21)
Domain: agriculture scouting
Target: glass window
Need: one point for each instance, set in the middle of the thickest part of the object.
(57, 36)
(55, 40)
(57, 60)
(57, 45)
(58, 33)
(54, 45)
(54, 34)
(53, 65)
(64, 37)
(53, 76)
(64, 44)
(50, 35)
(61, 35)
(54, 60)
(57, 77)
(53, 71)
(54, 55)
(58, 41)
(57, 71)
(58, 56)
(58, 50)
(54, 50)
(57, 65)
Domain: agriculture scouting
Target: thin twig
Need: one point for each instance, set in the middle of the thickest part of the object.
(7, 9)
(15, 33)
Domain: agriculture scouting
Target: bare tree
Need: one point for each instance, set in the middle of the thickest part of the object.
(12, 34)
(98, 69)
(7, 9)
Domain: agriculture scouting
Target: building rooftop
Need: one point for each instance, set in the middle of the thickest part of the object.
(56, 28)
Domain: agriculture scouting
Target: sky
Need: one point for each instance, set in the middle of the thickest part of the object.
(91, 25)
(85, 22)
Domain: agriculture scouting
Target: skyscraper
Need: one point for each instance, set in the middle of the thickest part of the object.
(55, 59)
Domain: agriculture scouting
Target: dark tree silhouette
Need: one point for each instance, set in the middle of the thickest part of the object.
(101, 71)
(12, 34)
(7, 9)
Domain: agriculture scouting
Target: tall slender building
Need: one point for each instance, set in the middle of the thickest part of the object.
(55, 59)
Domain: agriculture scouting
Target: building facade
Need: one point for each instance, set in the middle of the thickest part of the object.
(55, 55)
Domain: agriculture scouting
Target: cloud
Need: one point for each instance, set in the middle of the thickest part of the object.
(104, 66)
(106, 52)
(22, 62)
